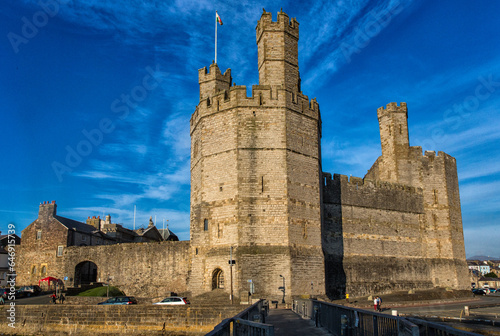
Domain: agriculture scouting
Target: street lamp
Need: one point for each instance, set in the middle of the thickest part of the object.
(283, 288)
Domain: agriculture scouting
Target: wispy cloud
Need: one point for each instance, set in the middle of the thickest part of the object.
(344, 29)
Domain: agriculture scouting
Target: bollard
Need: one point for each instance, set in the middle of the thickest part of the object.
(466, 309)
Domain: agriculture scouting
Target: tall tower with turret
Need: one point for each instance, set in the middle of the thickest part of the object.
(436, 175)
(255, 176)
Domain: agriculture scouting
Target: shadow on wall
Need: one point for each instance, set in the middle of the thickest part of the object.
(332, 238)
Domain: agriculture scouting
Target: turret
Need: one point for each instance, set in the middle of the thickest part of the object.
(213, 81)
(393, 123)
(277, 44)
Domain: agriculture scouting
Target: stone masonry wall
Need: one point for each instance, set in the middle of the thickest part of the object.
(89, 320)
(144, 269)
(140, 269)
(373, 237)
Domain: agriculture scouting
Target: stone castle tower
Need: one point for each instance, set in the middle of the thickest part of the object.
(255, 175)
(438, 179)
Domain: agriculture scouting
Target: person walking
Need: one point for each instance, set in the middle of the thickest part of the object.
(379, 304)
(375, 303)
(61, 298)
(54, 298)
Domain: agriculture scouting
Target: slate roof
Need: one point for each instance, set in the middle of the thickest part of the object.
(75, 225)
(168, 235)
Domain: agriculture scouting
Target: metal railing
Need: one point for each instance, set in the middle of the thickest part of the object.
(436, 329)
(249, 322)
(346, 321)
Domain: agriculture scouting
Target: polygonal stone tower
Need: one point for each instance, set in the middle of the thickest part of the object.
(443, 241)
(255, 176)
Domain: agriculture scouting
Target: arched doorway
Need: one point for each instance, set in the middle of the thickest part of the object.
(85, 273)
(217, 279)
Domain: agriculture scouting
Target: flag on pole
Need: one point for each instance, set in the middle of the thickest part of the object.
(217, 17)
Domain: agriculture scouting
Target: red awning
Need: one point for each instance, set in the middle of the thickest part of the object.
(49, 280)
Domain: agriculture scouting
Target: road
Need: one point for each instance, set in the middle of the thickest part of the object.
(487, 306)
(34, 300)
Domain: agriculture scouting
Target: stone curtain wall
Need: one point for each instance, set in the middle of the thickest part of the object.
(373, 237)
(140, 269)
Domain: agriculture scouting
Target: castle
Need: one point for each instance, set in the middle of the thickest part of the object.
(264, 217)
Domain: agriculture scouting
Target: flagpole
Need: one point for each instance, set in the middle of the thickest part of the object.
(216, 37)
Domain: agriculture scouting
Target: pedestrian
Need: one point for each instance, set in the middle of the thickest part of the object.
(379, 304)
(61, 298)
(347, 298)
(375, 303)
(54, 298)
(2, 301)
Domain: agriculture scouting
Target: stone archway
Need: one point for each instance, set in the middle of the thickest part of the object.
(85, 273)
(217, 279)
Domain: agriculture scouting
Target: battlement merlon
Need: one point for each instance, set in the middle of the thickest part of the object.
(283, 23)
(213, 81)
(359, 182)
(392, 108)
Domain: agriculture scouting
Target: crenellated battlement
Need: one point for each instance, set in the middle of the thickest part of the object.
(392, 108)
(360, 182)
(283, 23)
(371, 194)
(213, 81)
(263, 96)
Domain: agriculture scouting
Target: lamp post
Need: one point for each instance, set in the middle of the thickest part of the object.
(281, 276)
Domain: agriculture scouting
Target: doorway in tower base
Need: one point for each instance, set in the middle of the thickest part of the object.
(217, 279)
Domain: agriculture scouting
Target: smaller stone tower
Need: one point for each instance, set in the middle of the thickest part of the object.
(213, 81)
(277, 44)
(393, 123)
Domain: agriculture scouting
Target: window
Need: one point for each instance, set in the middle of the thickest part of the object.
(205, 224)
(44, 270)
(60, 251)
(39, 235)
(33, 270)
(84, 237)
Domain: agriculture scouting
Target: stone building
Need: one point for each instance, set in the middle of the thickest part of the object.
(263, 212)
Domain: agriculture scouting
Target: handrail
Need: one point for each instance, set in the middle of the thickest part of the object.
(242, 321)
(342, 320)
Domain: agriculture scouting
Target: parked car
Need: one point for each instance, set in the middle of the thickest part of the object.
(30, 290)
(173, 300)
(119, 300)
(478, 291)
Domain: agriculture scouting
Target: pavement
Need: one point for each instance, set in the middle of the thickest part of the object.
(484, 313)
(287, 323)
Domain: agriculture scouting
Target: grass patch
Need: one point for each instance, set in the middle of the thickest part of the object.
(101, 291)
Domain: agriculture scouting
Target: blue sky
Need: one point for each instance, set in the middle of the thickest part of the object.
(116, 82)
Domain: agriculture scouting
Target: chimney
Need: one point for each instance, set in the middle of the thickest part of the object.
(47, 210)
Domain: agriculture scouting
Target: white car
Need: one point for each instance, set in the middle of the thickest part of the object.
(173, 300)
